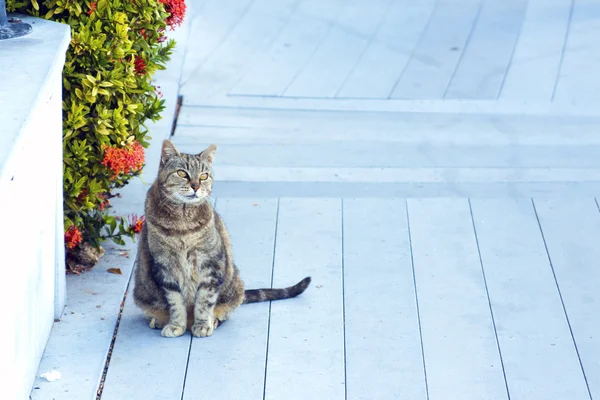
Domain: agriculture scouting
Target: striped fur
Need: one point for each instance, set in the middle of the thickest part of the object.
(257, 295)
(185, 277)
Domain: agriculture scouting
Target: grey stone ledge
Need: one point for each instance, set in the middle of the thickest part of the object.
(25, 65)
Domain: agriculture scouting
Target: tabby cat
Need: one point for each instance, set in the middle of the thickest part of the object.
(185, 275)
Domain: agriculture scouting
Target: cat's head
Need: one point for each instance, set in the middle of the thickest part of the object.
(185, 178)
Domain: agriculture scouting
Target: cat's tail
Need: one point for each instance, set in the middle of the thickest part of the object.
(256, 295)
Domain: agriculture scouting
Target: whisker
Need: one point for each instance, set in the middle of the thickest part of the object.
(212, 201)
(164, 202)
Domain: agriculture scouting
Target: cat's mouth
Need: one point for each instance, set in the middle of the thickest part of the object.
(192, 198)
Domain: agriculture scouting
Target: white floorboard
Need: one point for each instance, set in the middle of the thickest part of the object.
(383, 343)
(459, 343)
(145, 365)
(438, 52)
(330, 64)
(571, 230)
(380, 66)
(534, 69)
(482, 68)
(539, 356)
(272, 72)
(306, 337)
(577, 79)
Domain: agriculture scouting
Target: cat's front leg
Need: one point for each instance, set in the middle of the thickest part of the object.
(177, 314)
(206, 299)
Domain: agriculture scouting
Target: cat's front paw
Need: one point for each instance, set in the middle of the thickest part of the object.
(171, 330)
(204, 328)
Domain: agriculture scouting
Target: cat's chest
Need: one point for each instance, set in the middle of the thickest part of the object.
(191, 263)
(193, 259)
(191, 241)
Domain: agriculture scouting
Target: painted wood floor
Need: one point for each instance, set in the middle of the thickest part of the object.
(433, 165)
(284, 53)
(445, 298)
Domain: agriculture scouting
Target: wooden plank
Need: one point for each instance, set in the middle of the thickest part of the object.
(571, 231)
(536, 60)
(236, 352)
(434, 60)
(540, 360)
(459, 343)
(307, 27)
(484, 62)
(381, 154)
(213, 21)
(378, 69)
(577, 81)
(383, 356)
(306, 340)
(330, 64)
(144, 364)
(258, 26)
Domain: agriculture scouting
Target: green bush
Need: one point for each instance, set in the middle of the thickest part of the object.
(116, 46)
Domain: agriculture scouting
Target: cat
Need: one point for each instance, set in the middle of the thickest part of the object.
(185, 277)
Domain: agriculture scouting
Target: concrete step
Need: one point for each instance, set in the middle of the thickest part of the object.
(243, 126)
(277, 152)
(404, 190)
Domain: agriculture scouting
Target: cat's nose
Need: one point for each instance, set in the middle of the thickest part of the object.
(195, 186)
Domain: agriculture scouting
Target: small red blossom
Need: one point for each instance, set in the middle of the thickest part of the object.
(72, 237)
(105, 202)
(161, 35)
(158, 92)
(176, 9)
(82, 195)
(93, 5)
(140, 65)
(136, 223)
(124, 160)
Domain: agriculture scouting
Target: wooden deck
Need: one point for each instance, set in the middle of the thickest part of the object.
(433, 165)
(246, 52)
(445, 298)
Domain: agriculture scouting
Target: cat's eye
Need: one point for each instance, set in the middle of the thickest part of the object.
(182, 173)
(203, 176)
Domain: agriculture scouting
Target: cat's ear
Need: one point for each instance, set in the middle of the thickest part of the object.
(208, 155)
(168, 151)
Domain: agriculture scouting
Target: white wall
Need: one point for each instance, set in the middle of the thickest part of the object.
(31, 240)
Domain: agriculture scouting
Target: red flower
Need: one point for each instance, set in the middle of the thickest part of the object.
(105, 202)
(176, 9)
(158, 92)
(161, 35)
(82, 195)
(136, 223)
(140, 65)
(93, 5)
(124, 160)
(72, 237)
